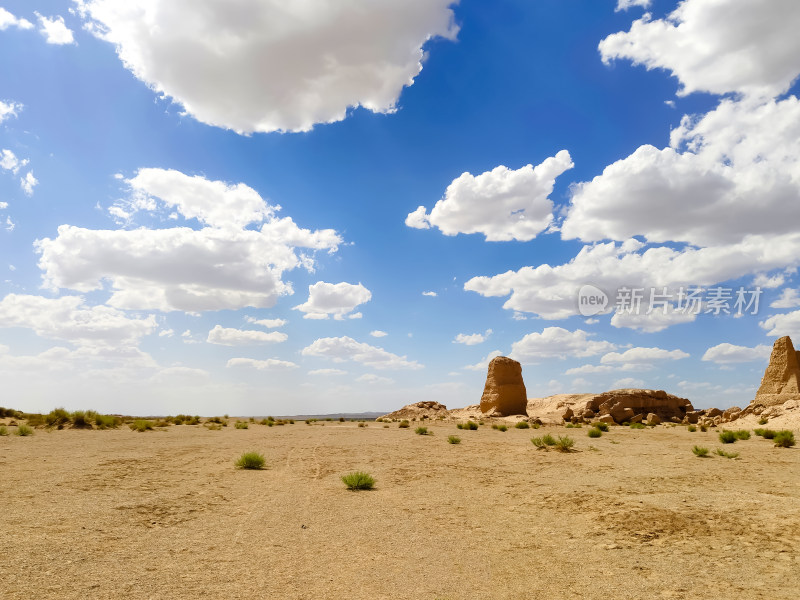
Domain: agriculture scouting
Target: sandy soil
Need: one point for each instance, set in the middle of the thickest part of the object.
(118, 514)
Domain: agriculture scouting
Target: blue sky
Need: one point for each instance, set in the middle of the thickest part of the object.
(147, 145)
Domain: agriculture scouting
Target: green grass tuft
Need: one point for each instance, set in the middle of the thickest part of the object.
(784, 439)
(691, 428)
(594, 433)
(358, 480)
(453, 439)
(241, 425)
(600, 425)
(404, 424)
(539, 443)
(251, 460)
(700, 451)
(422, 431)
(721, 452)
(742, 434)
(522, 425)
(703, 428)
(763, 421)
(727, 437)
(549, 440)
(565, 444)
(24, 430)
(499, 427)
(637, 426)
(141, 425)
(3, 431)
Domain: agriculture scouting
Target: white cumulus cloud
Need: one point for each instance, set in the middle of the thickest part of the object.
(502, 204)
(337, 299)
(378, 333)
(268, 65)
(268, 323)
(729, 353)
(472, 339)
(719, 47)
(789, 298)
(626, 4)
(27, 182)
(55, 30)
(226, 336)
(7, 20)
(270, 364)
(785, 324)
(8, 109)
(642, 356)
(345, 348)
(557, 342)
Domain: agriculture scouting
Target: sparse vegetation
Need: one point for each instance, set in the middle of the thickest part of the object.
(539, 443)
(703, 428)
(763, 421)
(600, 425)
(422, 431)
(549, 440)
(759, 432)
(721, 452)
(784, 439)
(404, 424)
(24, 430)
(700, 451)
(564, 443)
(341, 419)
(535, 425)
(637, 426)
(727, 437)
(58, 418)
(522, 425)
(241, 425)
(691, 428)
(141, 425)
(358, 480)
(453, 439)
(594, 433)
(499, 427)
(251, 460)
(573, 425)
(106, 421)
(362, 424)
(3, 431)
(469, 425)
(742, 434)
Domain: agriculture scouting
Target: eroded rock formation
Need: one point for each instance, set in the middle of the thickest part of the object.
(504, 392)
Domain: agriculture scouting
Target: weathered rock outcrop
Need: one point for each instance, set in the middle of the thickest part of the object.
(781, 381)
(419, 410)
(504, 392)
(620, 405)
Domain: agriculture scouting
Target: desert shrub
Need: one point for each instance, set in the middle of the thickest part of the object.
(358, 480)
(573, 426)
(24, 430)
(241, 425)
(362, 424)
(759, 432)
(742, 434)
(721, 452)
(769, 434)
(539, 443)
(549, 440)
(637, 426)
(594, 433)
(270, 423)
(535, 425)
(727, 437)
(106, 421)
(499, 427)
(291, 421)
(213, 426)
(3, 430)
(470, 425)
(386, 427)
(459, 425)
(422, 431)
(522, 425)
(327, 419)
(600, 425)
(141, 425)
(691, 428)
(58, 417)
(564, 443)
(700, 451)
(453, 439)
(763, 421)
(784, 439)
(341, 419)
(250, 460)
(703, 428)
(404, 424)
(80, 420)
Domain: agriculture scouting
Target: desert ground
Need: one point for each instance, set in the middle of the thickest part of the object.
(165, 514)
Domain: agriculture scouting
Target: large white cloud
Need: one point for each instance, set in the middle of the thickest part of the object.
(502, 204)
(268, 65)
(644, 356)
(784, 324)
(69, 318)
(341, 349)
(557, 342)
(226, 336)
(552, 291)
(221, 266)
(729, 353)
(724, 176)
(718, 46)
(337, 299)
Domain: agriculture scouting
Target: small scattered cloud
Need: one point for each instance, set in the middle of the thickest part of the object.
(268, 323)
(472, 339)
(55, 30)
(9, 20)
(374, 379)
(377, 333)
(226, 336)
(327, 372)
(725, 353)
(431, 294)
(28, 182)
(790, 298)
(270, 364)
(337, 299)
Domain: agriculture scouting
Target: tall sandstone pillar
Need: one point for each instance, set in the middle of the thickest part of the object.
(504, 391)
